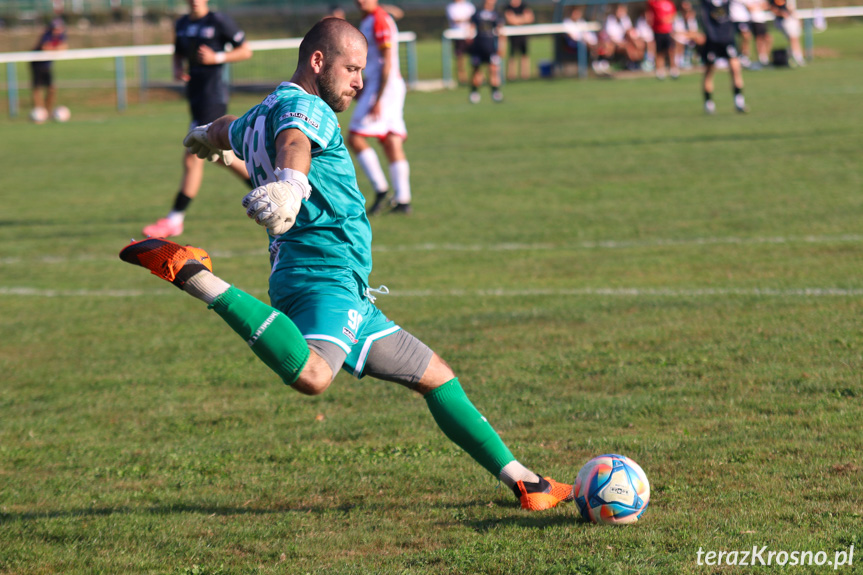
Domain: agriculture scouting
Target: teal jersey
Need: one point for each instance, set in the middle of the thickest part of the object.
(332, 228)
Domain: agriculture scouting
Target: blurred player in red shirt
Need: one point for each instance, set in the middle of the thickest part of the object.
(660, 15)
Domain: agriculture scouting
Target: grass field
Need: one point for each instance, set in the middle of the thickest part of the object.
(606, 268)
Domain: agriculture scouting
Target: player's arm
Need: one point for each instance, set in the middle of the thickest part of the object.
(275, 205)
(386, 70)
(212, 141)
(210, 57)
(179, 69)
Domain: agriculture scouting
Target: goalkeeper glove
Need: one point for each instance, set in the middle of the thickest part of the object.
(198, 142)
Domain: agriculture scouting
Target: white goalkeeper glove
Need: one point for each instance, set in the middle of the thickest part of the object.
(276, 205)
(198, 142)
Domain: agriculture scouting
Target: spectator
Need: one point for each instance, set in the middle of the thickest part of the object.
(620, 38)
(646, 38)
(379, 112)
(458, 14)
(485, 50)
(200, 38)
(44, 92)
(577, 38)
(686, 34)
(660, 15)
(517, 13)
(787, 23)
(758, 13)
(742, 25)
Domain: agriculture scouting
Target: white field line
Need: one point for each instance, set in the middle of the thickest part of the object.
(502, 247)
(488, 293)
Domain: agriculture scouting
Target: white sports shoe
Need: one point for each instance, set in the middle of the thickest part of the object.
(709, 107)
(475, 97)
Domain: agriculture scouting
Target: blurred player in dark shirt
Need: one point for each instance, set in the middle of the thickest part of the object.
(719, 30)
(199, 56)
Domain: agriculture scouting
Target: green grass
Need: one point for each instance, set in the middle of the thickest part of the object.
(607, 269)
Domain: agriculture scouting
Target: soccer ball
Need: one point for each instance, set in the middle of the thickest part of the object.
(39, 115)
(62, 114)
(611, 489)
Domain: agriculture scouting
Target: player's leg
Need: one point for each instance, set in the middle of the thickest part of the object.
(477, 61)
(370, 164)
(399, 173)
(270, 334)
(737, 83)
(50, 96)
(494, 77)
(402, 358)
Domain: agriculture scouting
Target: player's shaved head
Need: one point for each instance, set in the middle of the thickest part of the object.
(330, 36)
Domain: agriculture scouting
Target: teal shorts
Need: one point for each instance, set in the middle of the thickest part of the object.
(331, 304)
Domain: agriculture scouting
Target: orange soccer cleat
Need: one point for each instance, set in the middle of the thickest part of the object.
(544, 494)
(166, 259)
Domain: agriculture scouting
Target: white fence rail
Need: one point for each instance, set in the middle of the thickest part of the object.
(119, 54)
(806, 16)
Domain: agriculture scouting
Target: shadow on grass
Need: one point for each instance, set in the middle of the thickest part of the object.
(227, 511)
(533, 521)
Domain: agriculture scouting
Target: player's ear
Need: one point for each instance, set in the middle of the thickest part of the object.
(317, 61)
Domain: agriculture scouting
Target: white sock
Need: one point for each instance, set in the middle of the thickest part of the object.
(205, 286)
(513, 472)
(400, 172)
(177, 217)
(371, 165)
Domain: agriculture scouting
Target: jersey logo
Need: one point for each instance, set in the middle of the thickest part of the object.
(302, 117)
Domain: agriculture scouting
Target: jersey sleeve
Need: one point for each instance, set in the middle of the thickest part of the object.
(310, 115)
(382, 30)
(230, 31)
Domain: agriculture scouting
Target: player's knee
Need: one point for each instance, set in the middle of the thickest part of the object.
(315, 377)
(310, 385)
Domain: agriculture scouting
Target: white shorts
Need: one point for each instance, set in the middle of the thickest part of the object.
(789, 26)
(392, 117)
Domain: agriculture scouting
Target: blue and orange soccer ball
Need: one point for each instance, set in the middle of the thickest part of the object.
(611, 489)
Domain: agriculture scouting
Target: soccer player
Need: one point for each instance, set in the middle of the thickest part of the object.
(517, 13)
(660, 16)
(380, 112)
(484, 50)
(719, 31)
(199, 58)
(323, 315)
(788, 23)
(44, 92)
(458, 14)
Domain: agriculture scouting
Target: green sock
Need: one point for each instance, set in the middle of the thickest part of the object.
(466, 427)
(272, 336)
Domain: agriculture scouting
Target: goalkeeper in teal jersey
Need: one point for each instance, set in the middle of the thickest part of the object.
(323, 316)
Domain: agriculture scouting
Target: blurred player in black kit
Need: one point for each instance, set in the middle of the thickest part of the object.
(199, 56)
(719, 29)
(483, 48)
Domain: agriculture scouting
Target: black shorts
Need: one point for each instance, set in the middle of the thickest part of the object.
(459, 47)
(42, 74)
(759, 29)
(712, 51)
(663, 42)
(518, 46)
(208, 106)
(482, 54)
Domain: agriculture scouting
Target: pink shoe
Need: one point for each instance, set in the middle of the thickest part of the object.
(164, 228)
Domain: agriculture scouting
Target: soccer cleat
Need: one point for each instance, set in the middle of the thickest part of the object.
(543, 494)
(164, 228)
(378, 205)
(709, 107)
(403, 209)
(497, 95)
(475, 97)
(166, 259)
